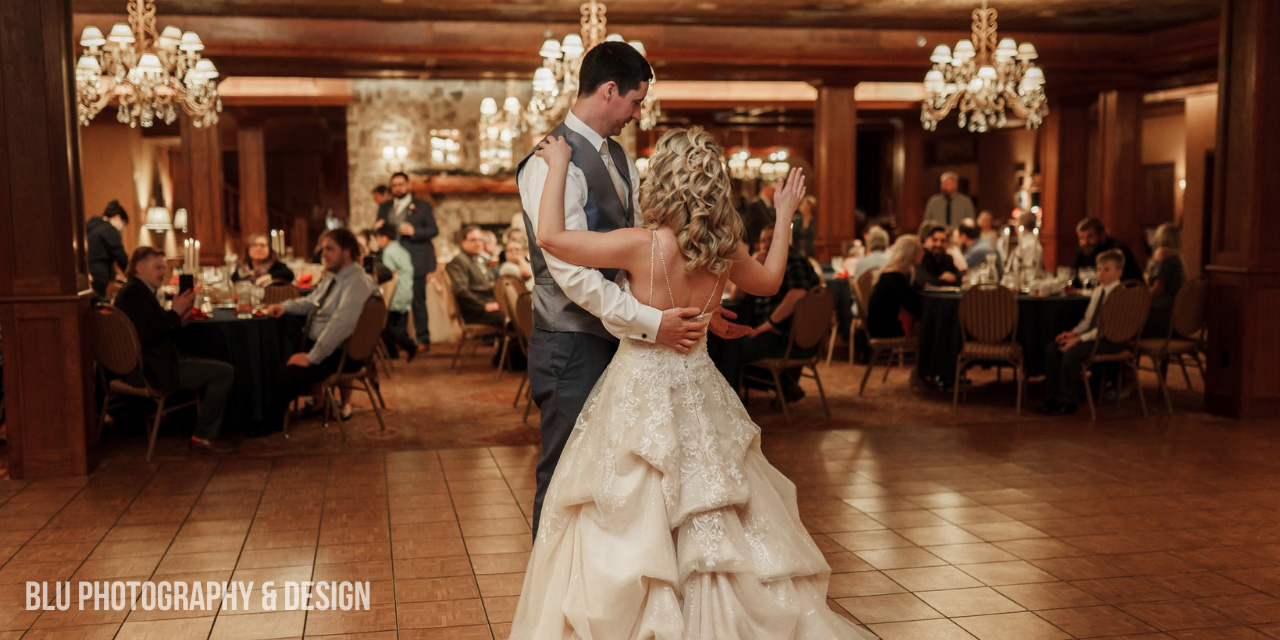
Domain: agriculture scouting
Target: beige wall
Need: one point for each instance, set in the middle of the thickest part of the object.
(1201, 138)
(1164, 141)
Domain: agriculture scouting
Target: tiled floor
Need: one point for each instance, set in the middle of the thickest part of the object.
(998, 529)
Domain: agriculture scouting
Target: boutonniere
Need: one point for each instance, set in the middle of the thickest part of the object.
(413, 207)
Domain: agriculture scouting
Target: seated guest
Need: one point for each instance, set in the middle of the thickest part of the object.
(333, 310)
(1064, 357)
(893, 294)
(1093, 238)
(804, 230)
(473, 281)
(990, 230)
(368, 239)
(1165, 277)
(771, 316)
(877, 240)
(976, 247)
(400, 263)
(955, 250)
(106, 250)
(937, 267)
(492, 251)
(1024, 252)
(261, 265)
(162, 367)
(517, 261)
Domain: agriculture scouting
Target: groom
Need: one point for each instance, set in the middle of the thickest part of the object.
(579, 313)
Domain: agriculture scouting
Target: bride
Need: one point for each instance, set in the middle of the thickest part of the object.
(664, 521)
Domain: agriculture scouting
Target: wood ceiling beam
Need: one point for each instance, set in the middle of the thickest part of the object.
(365, 48)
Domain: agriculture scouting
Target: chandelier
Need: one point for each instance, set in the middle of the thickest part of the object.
(150, 74)
(555, 83)
(981, 79)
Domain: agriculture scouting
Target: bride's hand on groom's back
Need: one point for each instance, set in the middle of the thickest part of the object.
(554, 150)
(679, 331)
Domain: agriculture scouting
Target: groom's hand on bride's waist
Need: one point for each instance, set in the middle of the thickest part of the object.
(679, 331)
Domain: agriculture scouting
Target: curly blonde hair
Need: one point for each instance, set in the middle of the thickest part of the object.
(688, 190)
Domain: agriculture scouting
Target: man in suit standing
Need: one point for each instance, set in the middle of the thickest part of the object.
(580, 313)
(948, 208)
(106, 250)
(759, 214)
(162, 367)
(413, 219)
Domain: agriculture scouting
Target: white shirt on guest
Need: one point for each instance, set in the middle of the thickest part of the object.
(620, 312)
(1086, 334)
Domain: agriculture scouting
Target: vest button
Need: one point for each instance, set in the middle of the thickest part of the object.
(645, 336)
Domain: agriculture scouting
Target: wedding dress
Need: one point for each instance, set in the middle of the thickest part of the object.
(664, 521)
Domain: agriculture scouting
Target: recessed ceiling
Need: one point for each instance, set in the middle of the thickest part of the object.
(1114, 16)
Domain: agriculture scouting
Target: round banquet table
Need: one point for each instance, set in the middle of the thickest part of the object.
(1039, 321)
(258, 349)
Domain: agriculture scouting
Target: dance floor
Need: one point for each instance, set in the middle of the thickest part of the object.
(937, 525)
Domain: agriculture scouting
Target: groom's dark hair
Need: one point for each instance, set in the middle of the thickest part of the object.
(616, 62)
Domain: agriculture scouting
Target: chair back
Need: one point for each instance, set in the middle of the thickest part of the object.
(504, 294)
(861, 290)
(278, 292)
(115, 340)
(450, 301)
(524, 316)
(1189, 308)
(388, 288)
(373, 319)
(988, 314)
(1124, 313)
(811, 321)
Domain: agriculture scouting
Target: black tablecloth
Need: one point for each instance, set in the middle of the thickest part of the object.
(1039, 321)
(258, 349)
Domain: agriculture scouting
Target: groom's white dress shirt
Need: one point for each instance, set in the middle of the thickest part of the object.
(620, 312)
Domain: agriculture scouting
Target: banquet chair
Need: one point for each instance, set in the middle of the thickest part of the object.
(523, 322)
(360, 346)
(118, 352)
(989, 333)
(891, 348)
(1185, 338)
(810, 324)
(278, 292)
(473, 333)
(380, 353)
(1120, 322)
(506, 290)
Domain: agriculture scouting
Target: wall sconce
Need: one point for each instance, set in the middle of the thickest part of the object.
(393, 157)
(642, 167)
(158, 219)
(446, 148)
(180, 220)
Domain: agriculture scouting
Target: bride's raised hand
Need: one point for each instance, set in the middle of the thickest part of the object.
(554, 150)
(789, 192)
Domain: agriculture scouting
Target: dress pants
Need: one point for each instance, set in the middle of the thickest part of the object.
(563, 368)
(396, 335)
(1062, 368)
(422, 327)
(294, 381)
(212, 379)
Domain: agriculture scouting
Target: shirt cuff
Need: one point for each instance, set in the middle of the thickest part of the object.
(312, 358)
(646, 326)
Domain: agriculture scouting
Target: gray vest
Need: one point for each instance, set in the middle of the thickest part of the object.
(552, 309)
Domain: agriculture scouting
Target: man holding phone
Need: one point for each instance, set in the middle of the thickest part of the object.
(162, 367)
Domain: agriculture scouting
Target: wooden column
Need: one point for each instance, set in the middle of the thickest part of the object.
(835, 156)
(1244, 297)
(914, 192)
(1120, 166)
(44, 296)
(203, 163)
(1064, 152)
(253, 179)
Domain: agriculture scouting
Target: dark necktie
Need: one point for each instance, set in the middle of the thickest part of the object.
(315, 308)
(1093, 322)
(947, 221)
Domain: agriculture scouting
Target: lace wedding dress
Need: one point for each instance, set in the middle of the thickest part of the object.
(664, 521)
